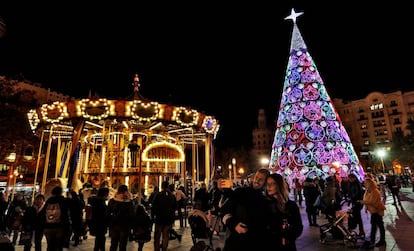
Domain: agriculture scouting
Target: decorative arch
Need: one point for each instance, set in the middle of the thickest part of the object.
(163, 152)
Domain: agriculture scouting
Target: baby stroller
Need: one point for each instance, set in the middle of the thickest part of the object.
(336, 229)
(198, 222)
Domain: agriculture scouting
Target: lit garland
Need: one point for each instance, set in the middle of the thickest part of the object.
(95, 109)
(144, 111)
(33, 119)
(138, 112)
(210, 125)
(185, 117)
(309, 133)
(176, 154)
(54, 113)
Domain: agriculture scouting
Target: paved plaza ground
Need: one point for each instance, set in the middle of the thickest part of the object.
(399, 225)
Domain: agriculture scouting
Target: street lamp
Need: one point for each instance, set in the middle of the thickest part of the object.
(230, 171)
(264, 161)
(233, 161)
(15, 175)
(11, 158)
(335, 167)
(381, 153)
(241, 172)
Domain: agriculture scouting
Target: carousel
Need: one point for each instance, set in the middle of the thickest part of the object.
(137, 142)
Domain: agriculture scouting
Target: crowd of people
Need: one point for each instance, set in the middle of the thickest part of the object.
(64, 220)
(264, 216)
(259, 214)
(370, 193)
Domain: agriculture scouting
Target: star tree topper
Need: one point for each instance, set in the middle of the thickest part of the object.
(293, 15)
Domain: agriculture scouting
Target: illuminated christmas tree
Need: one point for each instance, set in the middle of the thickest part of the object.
(310, 138)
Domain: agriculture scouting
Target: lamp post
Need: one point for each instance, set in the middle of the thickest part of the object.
(335, 167)
(241, 172)
(11, 158)
(15, 175)
(264, 162)
(381, 153)
(233, 161)
(139, 176)
(230, 171)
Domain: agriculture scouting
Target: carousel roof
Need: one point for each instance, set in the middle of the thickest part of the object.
(136, 115)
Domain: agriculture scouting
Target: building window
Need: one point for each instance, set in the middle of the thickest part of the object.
(393, 103)
(376, 107)
(381, 132)
(377, 114)
(364, 125)
(397, 121)
(378, 123)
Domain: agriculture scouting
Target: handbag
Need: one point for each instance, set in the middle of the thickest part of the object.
(317, 202)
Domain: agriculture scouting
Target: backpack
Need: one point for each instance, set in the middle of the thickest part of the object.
(143, 225)
(53, 213)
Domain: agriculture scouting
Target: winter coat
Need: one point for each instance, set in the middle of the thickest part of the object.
(142, 225)
(99, 221)
(311, 192)
(372, 201)
(246, 205)
(163, 208)
(64, 209)
(280, 237)
(121, 210)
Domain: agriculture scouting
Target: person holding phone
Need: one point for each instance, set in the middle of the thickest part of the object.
(244, 218)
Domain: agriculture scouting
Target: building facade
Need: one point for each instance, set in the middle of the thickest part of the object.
(373, 121)
(17, 149)
(39, 93)
(262, 139)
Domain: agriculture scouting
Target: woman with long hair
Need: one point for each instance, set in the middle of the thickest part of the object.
(285, 222)
(375, 206)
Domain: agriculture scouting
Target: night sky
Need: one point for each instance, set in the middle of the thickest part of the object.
(227, 60)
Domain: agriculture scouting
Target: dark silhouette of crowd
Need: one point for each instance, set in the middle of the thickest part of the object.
(262, 213)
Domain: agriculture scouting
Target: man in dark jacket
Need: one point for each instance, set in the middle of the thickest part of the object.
(394, 184)
(244, 217)
(202, 198)
(356, 193)
(120, 211)
(98, 224)
(3, 209)
(15, 215)
(33, 220)
(76, 206)
(311, 191)
(163, 212)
